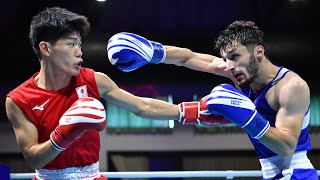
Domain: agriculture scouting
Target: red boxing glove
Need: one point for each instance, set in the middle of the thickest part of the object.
(84, 114)
(197, 113)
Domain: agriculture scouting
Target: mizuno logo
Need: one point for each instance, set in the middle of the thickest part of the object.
(41, 106)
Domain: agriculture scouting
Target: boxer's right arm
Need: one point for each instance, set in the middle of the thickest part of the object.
(84, 114)
(36, 154)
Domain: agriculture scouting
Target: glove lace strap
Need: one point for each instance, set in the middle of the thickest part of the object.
(180, 112)
(256, 126)
(249, 121)
(55, 145)
(159, 53)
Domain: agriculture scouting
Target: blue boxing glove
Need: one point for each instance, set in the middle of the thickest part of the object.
(128, 51)
(228, 101)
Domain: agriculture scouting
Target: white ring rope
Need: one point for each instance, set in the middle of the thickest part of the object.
(229, 174)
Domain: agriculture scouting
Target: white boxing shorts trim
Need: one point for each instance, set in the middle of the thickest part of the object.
(273, 165)
(73, 173)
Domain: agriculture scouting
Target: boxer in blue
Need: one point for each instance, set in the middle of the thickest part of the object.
(271, 103)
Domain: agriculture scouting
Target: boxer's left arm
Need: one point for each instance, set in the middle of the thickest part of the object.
(186, 113)
(196, 61)
(196, 112)
(129, 51)
(149, 108)
(141, 106)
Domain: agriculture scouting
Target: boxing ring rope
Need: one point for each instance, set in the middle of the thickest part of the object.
(229, 174)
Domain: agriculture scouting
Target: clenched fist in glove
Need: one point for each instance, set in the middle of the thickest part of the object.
(228, 101)
(197, 113)
(128, 51)
(84, 114)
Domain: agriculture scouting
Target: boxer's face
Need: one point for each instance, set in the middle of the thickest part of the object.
(65, 55)
(241, 62)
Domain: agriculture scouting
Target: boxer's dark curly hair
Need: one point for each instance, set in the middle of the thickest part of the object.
(54, 23)
(244, 32)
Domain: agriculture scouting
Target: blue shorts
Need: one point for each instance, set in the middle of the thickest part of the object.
(296, 174)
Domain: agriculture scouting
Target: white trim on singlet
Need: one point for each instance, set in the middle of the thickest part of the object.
(279, 76)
